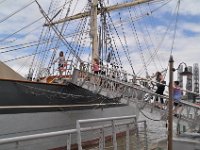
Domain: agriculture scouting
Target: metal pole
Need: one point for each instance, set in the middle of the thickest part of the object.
(170, 104)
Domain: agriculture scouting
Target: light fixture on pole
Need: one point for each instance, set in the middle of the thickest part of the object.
(170, 103)
(185, 72)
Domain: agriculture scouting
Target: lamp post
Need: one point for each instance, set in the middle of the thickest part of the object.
(170, 103)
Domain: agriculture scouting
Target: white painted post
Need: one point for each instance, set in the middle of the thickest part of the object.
(102, 139)
(78, 135)
(69, 142)
(114, 135)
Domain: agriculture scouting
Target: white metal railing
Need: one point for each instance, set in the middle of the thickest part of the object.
(125, 122)
(112, 120)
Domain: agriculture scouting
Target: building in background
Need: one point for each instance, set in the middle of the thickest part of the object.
(189, 85)
(196, 78)
(192, 82)
(179, 77)
(196, 81)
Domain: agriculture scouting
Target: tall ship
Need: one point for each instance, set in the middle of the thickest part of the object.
(79, 64)
(52, 97)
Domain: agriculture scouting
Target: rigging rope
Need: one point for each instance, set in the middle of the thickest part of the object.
(62, 29)
(159, 44)
(147, 44)
(110, 39)
(12, 14)
(44, 40)
(121, 43)
(133, 28)
(65, 42)
(2, 40)
(21, 57)
(12, 41)
(47, 35)
(126, 45)
(175, 27)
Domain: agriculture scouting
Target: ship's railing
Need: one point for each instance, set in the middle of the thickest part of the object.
(108, 70)
(111, 129)
(111, 87)
(190, 113)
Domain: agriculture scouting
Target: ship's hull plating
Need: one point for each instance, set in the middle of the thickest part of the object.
(23, 97)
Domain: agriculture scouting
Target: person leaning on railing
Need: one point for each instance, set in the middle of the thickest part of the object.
(95, 66)
(160, 88)
(177, 96)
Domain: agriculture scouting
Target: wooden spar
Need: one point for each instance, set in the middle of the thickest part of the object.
(93, 27)
(110, 8)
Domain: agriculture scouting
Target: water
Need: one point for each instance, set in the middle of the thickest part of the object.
(157, 130)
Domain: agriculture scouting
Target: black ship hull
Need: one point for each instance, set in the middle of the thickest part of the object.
(23, 97)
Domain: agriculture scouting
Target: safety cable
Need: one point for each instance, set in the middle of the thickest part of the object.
(121, 42)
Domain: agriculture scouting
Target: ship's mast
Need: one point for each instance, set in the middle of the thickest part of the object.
(93, 13)
(93, 27)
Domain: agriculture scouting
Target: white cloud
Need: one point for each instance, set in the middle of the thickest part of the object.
(193, 27)
(190, 7)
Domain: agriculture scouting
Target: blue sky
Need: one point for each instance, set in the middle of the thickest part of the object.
(150, 32)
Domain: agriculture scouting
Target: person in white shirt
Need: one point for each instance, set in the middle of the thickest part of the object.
(61, 62)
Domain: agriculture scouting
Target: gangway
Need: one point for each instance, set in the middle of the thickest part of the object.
(132, 92)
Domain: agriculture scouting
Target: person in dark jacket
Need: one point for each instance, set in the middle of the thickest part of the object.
(160, 88)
